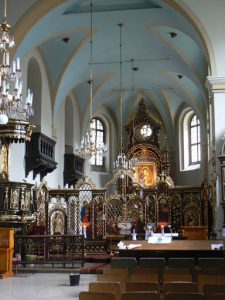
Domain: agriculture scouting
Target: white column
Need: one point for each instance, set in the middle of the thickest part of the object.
(216, 88)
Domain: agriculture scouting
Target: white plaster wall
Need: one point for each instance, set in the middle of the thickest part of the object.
(77, 135)
(69, 123)
(219, 108)
(16, 162)
(55, 179)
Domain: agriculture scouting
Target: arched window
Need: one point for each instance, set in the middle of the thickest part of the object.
(195, 139)
(191, 141)
(98, 135)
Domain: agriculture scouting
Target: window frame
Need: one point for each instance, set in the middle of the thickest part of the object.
(184, 141)
(191, 144)
(98, 167)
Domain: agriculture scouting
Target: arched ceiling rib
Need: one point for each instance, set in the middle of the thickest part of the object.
(163, 44)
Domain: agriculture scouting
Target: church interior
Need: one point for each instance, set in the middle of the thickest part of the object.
(111, 126)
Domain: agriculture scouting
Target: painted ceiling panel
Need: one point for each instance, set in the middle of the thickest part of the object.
(115, 5)
(186, 46)
(58, 50)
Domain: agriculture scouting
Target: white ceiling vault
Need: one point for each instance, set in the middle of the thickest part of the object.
(165, 47)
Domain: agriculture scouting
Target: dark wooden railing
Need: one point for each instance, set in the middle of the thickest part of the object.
(50, 248)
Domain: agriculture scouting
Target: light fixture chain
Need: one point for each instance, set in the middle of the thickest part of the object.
(5, 10)
(122, 166)
(89, 146)
(91, 60)
(121, 90)
(132, 89)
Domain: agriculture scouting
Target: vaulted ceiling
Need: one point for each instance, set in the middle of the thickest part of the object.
(163, 44)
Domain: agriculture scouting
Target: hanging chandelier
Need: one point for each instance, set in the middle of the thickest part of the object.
(12, 104)
(122, 166)
(90, 146)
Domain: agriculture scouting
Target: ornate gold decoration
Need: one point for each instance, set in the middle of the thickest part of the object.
(143, 127)
(16, 218)
(15, 131)
(85, 181)
(146, 152)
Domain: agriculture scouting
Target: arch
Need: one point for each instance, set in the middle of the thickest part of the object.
(34, 83)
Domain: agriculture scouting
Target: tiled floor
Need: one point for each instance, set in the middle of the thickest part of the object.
(51, 286)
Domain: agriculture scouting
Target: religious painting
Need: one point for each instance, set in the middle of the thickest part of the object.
(4, 161)
(192, 217)
(145, 174)
(57, 222)
(14, 199)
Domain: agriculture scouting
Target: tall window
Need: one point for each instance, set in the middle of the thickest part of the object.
(190, 141)
(98, 134)
(195, 139)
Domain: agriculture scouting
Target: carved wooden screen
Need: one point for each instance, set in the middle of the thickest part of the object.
(73, 208)
(192, 210)
(176, 214)
(97, 210)
(135, 208)
(41, 202)
(85, 201)
(114, 211)
(164, 209)
(151, 209)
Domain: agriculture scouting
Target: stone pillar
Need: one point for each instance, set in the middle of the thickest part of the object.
(216, 131)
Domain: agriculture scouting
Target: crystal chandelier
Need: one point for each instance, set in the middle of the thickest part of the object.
(12, 105)
(89, 145)
(122, 165)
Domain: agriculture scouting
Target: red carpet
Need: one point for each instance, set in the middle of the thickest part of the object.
(94, 268)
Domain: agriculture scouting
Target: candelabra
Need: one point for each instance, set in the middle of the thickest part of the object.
(123, 163)
(12, 105)
(89, 145)
(14, 110)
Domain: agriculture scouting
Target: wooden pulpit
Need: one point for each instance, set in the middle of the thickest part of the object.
(6, 252)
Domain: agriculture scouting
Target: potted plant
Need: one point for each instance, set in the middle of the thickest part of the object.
(30, 256)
